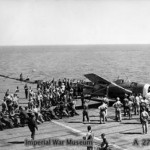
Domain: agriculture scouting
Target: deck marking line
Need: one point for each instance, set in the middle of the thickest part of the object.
(82, 133)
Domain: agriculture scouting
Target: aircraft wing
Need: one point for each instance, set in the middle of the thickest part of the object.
(121, 88)
(96, 79)
(99, 80)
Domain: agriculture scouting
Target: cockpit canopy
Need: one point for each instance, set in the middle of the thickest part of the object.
(119, 81)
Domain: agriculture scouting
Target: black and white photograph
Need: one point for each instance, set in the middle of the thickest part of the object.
(74, 74)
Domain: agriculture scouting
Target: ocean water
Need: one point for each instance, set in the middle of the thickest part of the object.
(130, 62)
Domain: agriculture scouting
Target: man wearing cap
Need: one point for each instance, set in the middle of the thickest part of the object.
(142, 106)
(125, 104)
(106, 101)
(102, 112)
(130, 107)
(137, 105)
(117, 105)
(85, 111)
(144, 120)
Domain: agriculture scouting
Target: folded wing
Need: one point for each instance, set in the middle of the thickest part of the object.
(96, 79)
(99, 80)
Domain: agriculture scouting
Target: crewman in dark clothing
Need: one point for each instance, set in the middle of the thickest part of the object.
(59, 83)
(4, 105)
(21, 77)
(23, 116)
(7, 93)
(89, 136)
(85, 111)
(6, 120)
(104, 144)
(32, 125)
(82, 99)
(26, 91)
(1, 123)
(68, 85)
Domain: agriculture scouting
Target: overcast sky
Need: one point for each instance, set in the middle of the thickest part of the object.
(46, 22)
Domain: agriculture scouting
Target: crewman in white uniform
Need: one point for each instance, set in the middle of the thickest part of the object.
(117, 105)
(144, 120)
(102, 112)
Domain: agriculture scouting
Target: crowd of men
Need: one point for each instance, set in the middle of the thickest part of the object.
(57, 99)
(51, 100)
(130, 105)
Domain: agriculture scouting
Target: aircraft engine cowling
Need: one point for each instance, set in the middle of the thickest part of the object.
(146, 91)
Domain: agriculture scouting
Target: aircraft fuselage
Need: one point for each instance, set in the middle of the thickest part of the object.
(112, 91)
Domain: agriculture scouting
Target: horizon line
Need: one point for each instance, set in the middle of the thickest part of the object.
(70, 45)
